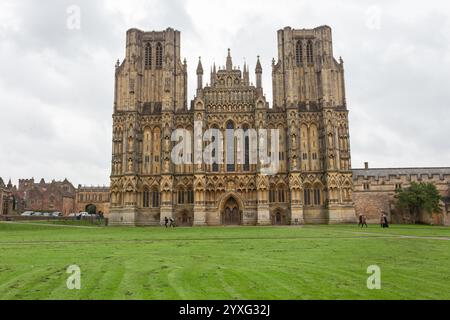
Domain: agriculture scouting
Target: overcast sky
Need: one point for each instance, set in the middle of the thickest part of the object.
(56, 82)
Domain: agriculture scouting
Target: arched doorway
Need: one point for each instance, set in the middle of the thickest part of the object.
(91, 209)
(184, 218)
(231, 213)
(278, 218)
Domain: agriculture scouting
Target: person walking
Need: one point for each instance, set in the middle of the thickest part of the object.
(385, 221)
(166, 221)
(172, 222)
(382, 221)
(360, 219)
(363, 221)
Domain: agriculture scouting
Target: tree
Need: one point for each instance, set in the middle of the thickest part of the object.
(417, 198)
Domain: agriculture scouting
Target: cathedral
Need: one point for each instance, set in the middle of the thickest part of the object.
(313, 182)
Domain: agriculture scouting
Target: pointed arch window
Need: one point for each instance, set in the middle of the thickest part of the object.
(307, 196)
(309, 52)
(181, 196)
(155, 198)
(159, 55)
(299, 53)
(317, 196)
(146, 198)
(148, 55)
(246, 166)
(281, 195)
(230, 146)
(215, 165)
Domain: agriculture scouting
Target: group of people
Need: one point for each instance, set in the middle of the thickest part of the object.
(383, 220)
(169, 222)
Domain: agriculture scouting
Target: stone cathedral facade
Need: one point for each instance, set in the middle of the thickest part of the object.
(314, 181)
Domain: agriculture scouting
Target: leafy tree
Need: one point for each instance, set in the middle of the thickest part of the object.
(417, 198)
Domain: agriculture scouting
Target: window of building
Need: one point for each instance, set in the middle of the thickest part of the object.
(230, 146)
(159, 54)
(148, 55)
(317, 197)
(180, 196)
(307, 197)
(155, 199)
(281, 197)
(190, 196)
(146, 198)
(271, 195)
(299, 53)
(398, 186)
(309, 52)
(305, 156)
(366, 186)
(246, 149)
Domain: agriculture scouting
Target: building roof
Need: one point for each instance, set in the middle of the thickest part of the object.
(386, 172)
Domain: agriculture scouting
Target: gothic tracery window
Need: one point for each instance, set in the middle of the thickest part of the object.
(155, 198)
(146, 198)
(148, 55)
(159, 54)
(309, 52)
(230, 146)
(299, 53)
(246, 149)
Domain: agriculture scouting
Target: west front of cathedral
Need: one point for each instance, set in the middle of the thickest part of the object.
(313, 182)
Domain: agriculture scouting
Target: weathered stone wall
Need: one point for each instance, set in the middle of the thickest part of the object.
(375, 191)
(371, 204)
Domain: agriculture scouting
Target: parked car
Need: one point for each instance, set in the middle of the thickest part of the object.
(27, 214)
(56, 214)
(46, 214)
(72, 215)
(37, 214)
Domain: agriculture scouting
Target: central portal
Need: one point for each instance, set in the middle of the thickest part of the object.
(231, 214)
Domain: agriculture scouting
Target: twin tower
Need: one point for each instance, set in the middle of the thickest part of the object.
(313, 181)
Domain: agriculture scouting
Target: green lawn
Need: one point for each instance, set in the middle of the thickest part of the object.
(311, 262)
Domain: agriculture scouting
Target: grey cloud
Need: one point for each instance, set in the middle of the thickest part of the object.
(56, 82)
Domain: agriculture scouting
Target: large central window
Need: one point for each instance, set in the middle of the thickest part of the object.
(230, 146)
(246, 149)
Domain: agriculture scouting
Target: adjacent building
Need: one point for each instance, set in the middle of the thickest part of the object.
(45, 196)
(375, 189)
(92, 199)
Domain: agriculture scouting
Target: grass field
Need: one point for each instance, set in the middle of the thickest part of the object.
(310, 262)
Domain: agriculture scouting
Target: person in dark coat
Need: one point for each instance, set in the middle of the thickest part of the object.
(360, 220)
(385, 220)
(172, 222)
(363, 221)
(166, 221)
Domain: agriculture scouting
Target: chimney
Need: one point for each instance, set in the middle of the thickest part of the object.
(366, 165)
